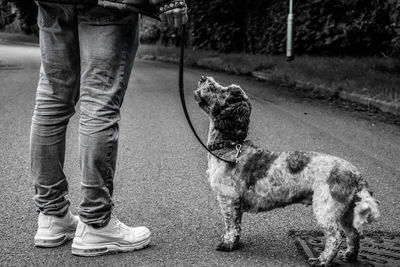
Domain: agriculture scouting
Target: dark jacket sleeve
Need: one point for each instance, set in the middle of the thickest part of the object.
(146, 7)
(139, 6)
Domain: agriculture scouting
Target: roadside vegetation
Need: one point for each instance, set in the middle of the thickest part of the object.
(374, 77)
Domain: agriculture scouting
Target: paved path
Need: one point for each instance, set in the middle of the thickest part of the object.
(161, 179)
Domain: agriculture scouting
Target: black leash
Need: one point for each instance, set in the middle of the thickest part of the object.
(182, 95)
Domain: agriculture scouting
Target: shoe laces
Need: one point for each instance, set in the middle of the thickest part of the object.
(118, 223)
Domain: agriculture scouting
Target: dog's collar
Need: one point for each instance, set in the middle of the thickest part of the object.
(222, 145)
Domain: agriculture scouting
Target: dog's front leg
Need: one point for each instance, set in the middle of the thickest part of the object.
(332, 244)
(232, 212)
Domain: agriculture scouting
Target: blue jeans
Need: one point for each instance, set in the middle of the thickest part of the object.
(87, 53)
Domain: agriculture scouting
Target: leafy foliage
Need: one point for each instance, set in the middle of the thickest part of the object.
(335, 27)
(149, 33)
(217, 24)
(7, 15)
(26, 14)
(344, 27)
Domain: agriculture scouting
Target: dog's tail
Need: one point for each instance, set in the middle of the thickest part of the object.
(365, 207)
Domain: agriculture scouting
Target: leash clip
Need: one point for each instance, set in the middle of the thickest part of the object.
(238, 151)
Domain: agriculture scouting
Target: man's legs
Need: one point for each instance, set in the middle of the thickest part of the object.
(108, 43)
(56, 97)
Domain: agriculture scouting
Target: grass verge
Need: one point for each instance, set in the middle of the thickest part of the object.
(377, 78)
(15, 38)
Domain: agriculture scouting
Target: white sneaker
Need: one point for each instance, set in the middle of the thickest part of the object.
(54, 231)
(113, 238)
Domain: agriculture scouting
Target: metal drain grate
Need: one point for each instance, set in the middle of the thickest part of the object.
(376, 248)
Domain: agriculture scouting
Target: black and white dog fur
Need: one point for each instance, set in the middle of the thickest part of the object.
(262, 180)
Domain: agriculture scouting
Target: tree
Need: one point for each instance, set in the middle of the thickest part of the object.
(8, 13)
(23, 11)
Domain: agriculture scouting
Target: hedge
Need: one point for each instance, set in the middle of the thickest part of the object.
(335, 27)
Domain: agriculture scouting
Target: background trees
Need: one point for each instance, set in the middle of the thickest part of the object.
(19, 12)
(335, 27)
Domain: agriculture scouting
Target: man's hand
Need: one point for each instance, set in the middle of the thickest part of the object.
(174, 17)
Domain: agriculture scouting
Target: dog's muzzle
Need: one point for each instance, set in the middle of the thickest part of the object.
(200, 100)
(197, 96)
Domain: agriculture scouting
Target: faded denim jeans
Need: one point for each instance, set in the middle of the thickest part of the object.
(87, 53)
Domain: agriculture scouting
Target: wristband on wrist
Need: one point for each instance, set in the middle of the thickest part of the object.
(163, 7)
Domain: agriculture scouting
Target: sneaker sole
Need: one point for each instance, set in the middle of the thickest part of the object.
(54, 242)
(86, 251)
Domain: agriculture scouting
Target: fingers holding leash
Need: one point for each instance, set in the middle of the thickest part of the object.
(174, 13)
(175, 17)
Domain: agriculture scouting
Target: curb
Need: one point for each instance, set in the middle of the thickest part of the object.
(384, 106)
(7, 42)
(3, 42)
(18, 38)
(389, 107)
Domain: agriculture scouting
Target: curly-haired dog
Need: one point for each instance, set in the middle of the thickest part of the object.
(262, 180)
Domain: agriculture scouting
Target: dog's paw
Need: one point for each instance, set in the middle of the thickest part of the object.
(227, 246)
(316, 262)
(229, 242)
(348, 255)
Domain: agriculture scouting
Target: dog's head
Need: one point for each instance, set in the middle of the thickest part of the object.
(228, 107)
(366, 208)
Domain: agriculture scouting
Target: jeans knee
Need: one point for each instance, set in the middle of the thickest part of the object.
(55, 103)
(95, 120)
(52, 113)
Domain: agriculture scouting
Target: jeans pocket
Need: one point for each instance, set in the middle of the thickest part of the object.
(47, 15)
(96, 15)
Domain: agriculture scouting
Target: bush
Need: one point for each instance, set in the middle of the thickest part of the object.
(149, 33)
(217, 25)
(152, 31)
(22, 13)
(336, 27)
(343, 27)
(7, 14)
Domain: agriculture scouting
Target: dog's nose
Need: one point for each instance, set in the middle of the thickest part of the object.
(203, 79)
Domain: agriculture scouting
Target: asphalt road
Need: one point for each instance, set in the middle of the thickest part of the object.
(161, 180)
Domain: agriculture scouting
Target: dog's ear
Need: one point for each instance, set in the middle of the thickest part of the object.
(236, 94)
(232, 120)
(233, 101)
